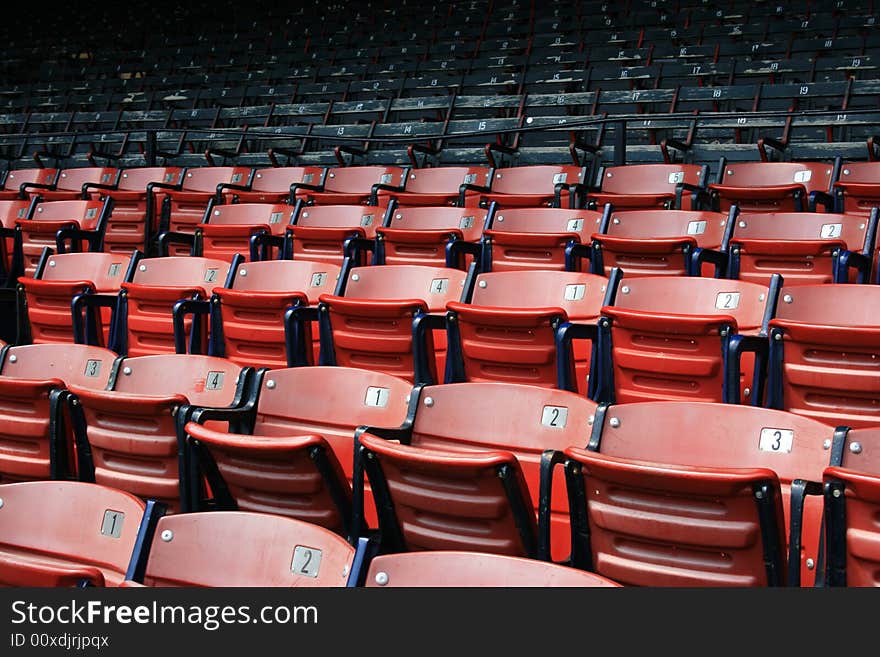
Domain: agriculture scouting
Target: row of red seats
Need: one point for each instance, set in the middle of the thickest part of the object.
(654, 493)
(151, 200)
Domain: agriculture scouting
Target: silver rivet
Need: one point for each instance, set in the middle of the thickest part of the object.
(787, 298)
(13, 358)
(482, 284)
(167, 535)
(761, 297)
(723, 332)
(189, 175)
(399, 216)
(259, 175)
(759, 494)
(412, 176)
(810, 564)
(609, 175)
(529, 120)
(305, 215)
(51, 263)
(270, 384)
(861, 226)
(499, 176)
(604, 323)
(826, 444)
(616, 220)
(345, 570)
(500, 217)
(39, 209)
(242, 272)
(614, 422)
(126, 371)
(429, 401)
(846, 172)
(747, 391)
(381, 579)
(742, 224)
(736, 252)
(591, 419)
(1, 502)
(625, 289)
(777, 336)
(332, 175)
(216, 213)
(143, 268)
(730, 172)
(855, 447)
(408, 395)
(836, 492)
(355, 277)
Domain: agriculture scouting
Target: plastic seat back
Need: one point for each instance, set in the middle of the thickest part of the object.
(667, 338)
(65, 533)
(227, 548)
(770, 186)
(421, 235)
(532, 186)
(803, 247)
(473, 569)
(656, 242)
(858, 189)
(535, 238)
(250, 326)
(184, 209)
(353, 185)
(825, 362)
(852, 505)
(229, 228)
(320, 231)
(440, 186)
(17, 177)
(272, 185)
(507, 332)
(69, 184)
(470, 479)
(48, 297)
(716, 481)
(377, 323)
(145, 323)
(131, 427)
(36, 441)
(39, 231)
(640, 186)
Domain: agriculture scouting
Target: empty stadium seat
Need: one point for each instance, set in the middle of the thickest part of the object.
(135, 215)
(462, 477)
(233, 549)
(644, 186)
(66, 534)
(357, 185)
(53, 222)
(12, 183)
(858, 189)
(247, 320)
(10, 212)
(271, 185)
(294, 453)
(391, 319)
(36, 440)
(685, 494)
(825, 353)
(319, 232)
(538, 238)
(533, 186)
(68, 186)
(509, 330)
(852, 495)
(473, 569)
(685, 338)
(425, 236)
(227, 230)
(127, 434)
(439, 186)
(47, 297)
(657, 242)
(774, 186)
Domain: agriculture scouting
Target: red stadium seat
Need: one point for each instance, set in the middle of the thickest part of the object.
(508, 331)
(232, 549)
(852, 506)
(66, 534)
(34, 177)
(685, 338)
(534, 186)
(538, 238)
(390, 319)
(135, 215)
(320, 232)
(646, 186)
(145, 315)
(36, 441)
(825, 353)
(463, 476)
(424, 236)
(247, 324)
(82, 222)
(68, 186)
(439, 186)
(774, 186)
(128, 432)
(474, 569)
(10, 212)
(657, 242)
(57, 281)
(697, 494)
(271, 185)
(296, 457)
(858, 189)
(357, 185)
